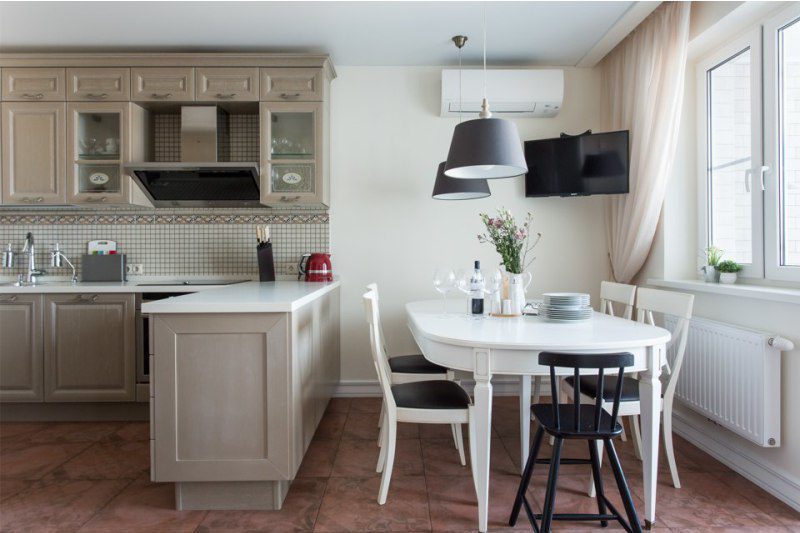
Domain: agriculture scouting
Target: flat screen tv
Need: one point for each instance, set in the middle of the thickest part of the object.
(580, 165)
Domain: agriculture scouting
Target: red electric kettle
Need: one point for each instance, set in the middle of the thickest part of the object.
(316, 267)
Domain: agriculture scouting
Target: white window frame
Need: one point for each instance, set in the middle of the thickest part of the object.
(752, 40)
(772, 229)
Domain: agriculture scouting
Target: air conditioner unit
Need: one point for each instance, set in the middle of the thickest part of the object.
(512, 93)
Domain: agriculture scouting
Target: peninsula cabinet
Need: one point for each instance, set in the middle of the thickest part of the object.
(21, 354)
(34, 84)
(89, 348)
(34, 152)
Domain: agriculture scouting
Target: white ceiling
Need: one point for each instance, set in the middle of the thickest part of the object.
(353, 33)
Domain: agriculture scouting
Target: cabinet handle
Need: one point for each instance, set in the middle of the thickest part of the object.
(86, 298)
(289, 198)
(227, 96)
(94, 199)
(288, 96)
(12, 298)
(161, 95)
(29, 200)
(37, 96)
(101, 96)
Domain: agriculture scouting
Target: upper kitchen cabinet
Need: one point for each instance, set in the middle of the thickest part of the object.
(162, 84)
(34, 152)
(34, 84)
(99, 84)
(292, 84)
(97, 144)
(226, 84)
(292, 144)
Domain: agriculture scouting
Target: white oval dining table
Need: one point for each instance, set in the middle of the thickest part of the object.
(489, 346)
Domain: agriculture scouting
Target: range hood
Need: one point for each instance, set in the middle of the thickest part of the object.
(199, 179)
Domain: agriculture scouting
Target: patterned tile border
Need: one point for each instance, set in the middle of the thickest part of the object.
(145, 219)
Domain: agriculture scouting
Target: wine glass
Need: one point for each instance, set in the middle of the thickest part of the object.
(492, 286)
(443, 281)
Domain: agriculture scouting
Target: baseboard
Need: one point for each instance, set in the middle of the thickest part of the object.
(502, 386)
(735, 457)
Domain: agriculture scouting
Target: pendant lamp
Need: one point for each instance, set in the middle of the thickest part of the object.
(447, 188)
(485, 148)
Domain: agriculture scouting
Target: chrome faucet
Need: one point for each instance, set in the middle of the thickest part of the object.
(56, 257)
(30, 276)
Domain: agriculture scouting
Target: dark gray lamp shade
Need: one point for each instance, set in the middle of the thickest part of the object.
(485, 148)
(447, 188)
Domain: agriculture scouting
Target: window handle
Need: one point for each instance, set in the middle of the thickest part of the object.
(748, 176)
(762, 171)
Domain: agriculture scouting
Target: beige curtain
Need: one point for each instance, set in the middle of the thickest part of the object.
(642, 92)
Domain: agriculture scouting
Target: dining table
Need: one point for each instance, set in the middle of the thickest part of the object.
(486, 346)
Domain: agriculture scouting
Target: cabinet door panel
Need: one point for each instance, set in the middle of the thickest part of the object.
(89, 348)
(21, 357)
(34, 153)
(162, 84)
(99, 84)
(291, 84)
(222, 402)
(227, 84)
(33, 84)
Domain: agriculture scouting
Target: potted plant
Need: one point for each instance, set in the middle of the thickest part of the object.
(728, 271)
(513, 244)
(713, 256)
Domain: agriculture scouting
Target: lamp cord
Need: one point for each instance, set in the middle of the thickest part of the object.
(484, 49)
(460, 96)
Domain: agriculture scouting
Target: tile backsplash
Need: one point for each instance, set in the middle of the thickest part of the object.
(169, 242)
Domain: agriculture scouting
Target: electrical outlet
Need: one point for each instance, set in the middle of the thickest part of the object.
(135, 268)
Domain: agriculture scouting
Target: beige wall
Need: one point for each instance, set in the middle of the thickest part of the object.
(387, 140)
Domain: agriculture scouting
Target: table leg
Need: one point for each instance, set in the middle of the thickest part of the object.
(650, 398)
(483, 432)
(524, 419)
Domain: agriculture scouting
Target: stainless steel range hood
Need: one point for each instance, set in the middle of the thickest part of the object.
(199, 179)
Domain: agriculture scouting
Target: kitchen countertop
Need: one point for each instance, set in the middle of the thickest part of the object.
(249, 297)
(139, 285)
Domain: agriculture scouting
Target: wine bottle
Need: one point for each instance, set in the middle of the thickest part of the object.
(476, 290)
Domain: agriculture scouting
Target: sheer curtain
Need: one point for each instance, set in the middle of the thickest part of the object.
(642, 91)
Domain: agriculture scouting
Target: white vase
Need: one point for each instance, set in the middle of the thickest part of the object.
(514, 287)
(727, 277)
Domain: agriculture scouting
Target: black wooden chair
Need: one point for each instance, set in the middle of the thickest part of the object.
(589, 422)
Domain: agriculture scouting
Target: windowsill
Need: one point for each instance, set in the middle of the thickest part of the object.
(744, 290)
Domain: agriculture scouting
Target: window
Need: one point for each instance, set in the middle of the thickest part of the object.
(750, 194)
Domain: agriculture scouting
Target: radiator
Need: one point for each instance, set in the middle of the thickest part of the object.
(732, 375)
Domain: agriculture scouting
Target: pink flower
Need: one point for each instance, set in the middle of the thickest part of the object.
(520, 235)
(496, 222)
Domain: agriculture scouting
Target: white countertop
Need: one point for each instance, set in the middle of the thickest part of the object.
(139, 285)
(249, 297)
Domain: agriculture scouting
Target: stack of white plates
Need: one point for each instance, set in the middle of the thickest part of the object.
(565, 307)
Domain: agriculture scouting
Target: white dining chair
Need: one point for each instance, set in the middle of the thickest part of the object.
(419, 402)
(617, 293)
(411, 368)
(651, 301)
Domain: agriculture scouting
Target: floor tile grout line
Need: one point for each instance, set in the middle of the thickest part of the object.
(111, 499)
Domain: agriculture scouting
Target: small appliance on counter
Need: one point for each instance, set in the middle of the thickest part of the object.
(315, 267)
(266, 261)
(103, 263)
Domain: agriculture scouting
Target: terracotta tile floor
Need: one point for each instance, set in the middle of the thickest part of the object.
(93, 477)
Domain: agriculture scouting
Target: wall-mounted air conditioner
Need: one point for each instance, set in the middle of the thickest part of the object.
(512, 93)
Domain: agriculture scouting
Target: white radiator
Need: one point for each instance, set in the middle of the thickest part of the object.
(732, 375)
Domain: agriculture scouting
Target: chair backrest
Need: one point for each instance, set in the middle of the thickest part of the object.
(676, 304)
(611, 293)
(373, 287)
(599, 362)
(377, 346)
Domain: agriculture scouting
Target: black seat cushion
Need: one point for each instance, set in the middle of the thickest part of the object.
(430, 395)
(543, 413)
(414, 364)
(630, 387)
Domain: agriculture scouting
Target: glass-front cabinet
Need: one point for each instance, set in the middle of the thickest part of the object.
(97, 143)
(291, 153)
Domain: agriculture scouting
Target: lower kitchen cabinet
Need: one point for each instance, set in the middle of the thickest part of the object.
(89, 348)
(21, 354)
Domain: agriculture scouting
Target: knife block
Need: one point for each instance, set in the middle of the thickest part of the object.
(266, 263)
